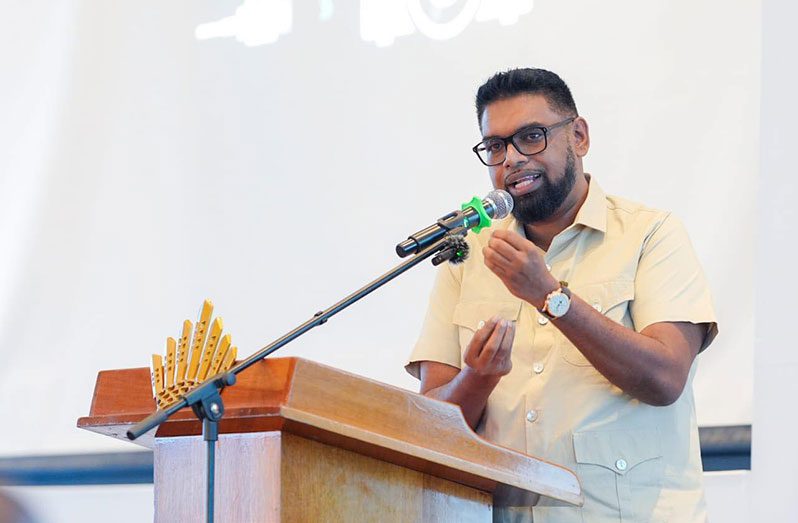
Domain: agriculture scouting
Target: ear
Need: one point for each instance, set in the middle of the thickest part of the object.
(581, 137)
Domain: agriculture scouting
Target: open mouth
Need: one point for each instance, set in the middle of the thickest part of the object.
(524, 183)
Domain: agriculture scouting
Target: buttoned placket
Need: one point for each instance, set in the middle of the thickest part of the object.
(544, 340)
(543, 345)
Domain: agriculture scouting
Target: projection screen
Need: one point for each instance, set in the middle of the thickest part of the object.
(268, 155)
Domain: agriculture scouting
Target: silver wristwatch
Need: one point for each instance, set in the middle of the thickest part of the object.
(557, 303)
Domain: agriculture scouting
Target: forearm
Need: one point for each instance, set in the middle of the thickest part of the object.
(640, 365)
(469, 390)
(651, 366)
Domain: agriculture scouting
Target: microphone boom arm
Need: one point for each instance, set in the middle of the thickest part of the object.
(216, 383)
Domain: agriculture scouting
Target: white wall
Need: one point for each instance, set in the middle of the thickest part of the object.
(127, 142)
(143, 170)
(774, 454)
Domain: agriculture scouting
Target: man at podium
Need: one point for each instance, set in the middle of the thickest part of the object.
(571, 332)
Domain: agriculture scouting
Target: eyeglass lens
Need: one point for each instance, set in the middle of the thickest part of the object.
(531, 140)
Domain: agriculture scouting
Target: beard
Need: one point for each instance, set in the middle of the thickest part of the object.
(541, 204)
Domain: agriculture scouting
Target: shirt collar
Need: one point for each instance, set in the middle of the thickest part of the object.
(593, 212)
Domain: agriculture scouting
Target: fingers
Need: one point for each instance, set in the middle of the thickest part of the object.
(514, 239)
(502, 248)
(498, 266)
(493, 342)
(496, 350)
(496, 256)
(502, 356)
(499, 262)
(510, 245)
(481, 336)
(490, 348)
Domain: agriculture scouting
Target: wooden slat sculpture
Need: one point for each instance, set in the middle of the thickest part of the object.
(188, 365)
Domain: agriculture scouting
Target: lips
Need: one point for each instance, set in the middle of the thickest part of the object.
(523, 182)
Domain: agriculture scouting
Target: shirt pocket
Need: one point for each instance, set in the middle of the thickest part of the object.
(609, 298)
(467, 316)
(621, 472)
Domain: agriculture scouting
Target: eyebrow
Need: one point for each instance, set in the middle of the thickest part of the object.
(525, 126)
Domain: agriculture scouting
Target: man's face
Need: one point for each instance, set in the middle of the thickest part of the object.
(539, 183)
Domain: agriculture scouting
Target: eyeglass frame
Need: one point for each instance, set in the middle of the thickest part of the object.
(509, 140)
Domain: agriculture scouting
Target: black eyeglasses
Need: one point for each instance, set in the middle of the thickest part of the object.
(527, 141)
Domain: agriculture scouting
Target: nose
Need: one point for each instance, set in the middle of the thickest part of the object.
(513, 158)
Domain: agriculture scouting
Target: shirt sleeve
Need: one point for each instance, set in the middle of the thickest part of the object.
(670, 284)
(439, 338)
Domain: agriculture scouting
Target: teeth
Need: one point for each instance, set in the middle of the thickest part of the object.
(526, 181)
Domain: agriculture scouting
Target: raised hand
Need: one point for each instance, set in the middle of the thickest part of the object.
(488, 353)
(520, 265)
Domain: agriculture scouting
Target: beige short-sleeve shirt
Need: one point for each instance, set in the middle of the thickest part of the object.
(635, 265)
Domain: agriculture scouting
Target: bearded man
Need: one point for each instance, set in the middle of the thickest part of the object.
(571, 333)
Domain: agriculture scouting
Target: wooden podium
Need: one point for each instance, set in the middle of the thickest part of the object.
(301, 441)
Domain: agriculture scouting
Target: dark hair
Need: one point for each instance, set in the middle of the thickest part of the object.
(514, 82)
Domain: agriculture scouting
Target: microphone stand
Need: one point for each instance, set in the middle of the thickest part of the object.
(206, 401)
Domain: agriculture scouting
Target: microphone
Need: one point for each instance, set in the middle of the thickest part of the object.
(475, 215)
(456, 251)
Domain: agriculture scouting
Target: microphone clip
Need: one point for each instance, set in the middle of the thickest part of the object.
(454, 248)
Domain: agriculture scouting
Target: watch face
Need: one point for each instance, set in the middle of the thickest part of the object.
(558, 305)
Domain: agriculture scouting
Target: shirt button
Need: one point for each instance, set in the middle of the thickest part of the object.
(597, 306)
(542, 320)
(538, 367)
(531, 416)
(620, 464)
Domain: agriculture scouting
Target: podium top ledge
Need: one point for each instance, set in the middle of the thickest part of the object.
(344, 410)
